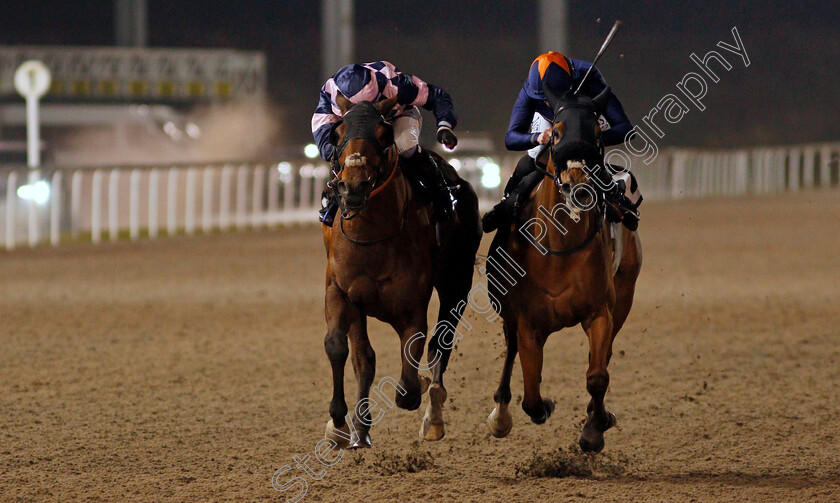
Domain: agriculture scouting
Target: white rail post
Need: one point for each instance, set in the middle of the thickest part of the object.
(55, 209)
(707, 172)
(320, 178)
(808, 167)
(134, 205)
(288, 186)
(11, 202)
(825, 167)
(207, 200)
(794, 167)
(273, 194)
(224, 197)
(113, 204)
(189, 210)
(780, 161)
(678, 175)
(241, 197)
(171, 201)
(154, 186)
(96, 208)
(257, 217)
(34, 230)
(742, 175)
(75, 204)
(306, 173)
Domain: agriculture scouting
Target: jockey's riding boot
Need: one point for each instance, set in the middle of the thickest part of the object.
(329, 208)
(619, 206)
(424, 167)
(511, 202)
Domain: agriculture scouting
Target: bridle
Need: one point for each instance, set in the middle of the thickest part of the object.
(555, 177)
(362, 120)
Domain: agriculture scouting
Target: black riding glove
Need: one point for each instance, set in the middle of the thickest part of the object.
(447, 138)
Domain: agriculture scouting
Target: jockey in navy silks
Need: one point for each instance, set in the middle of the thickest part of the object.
(530, 129)
(378, 81)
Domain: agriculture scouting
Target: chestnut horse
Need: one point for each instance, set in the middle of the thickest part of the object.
(383, 260)
(569, 270)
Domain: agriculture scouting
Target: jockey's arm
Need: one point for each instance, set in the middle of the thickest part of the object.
(620, 124)
(519, 136)
(413, 91)
(322, 121)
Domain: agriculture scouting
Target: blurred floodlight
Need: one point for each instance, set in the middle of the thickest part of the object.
(311, 151)
(285, 169)
(481, 161)
(193, 131)
(321, 171)
(38, 192)
(455, 163)
(172, 130)
(490, 175)
(307, 170)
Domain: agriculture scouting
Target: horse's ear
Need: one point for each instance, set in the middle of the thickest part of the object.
(343, 103)
(385, 106)
(386, 139)
(553, 98)
(602, 99)
(334, 134)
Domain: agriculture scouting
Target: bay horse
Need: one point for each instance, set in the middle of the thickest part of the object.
(383, 260)
(569, 265)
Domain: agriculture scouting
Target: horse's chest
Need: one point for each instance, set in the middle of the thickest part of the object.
(381, 282)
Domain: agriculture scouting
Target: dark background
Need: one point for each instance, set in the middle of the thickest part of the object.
(480, 51)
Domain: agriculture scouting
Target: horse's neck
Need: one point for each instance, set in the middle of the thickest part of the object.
(549, 203)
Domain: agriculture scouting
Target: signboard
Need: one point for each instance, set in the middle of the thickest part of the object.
(123, 74)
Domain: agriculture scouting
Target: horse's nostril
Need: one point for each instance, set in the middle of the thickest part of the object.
(566, 187)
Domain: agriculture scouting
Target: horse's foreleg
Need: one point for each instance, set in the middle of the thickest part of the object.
(412, 344)
(364, 365)
(335, 344)
(500, 421)
(600, 333)
(530, 344)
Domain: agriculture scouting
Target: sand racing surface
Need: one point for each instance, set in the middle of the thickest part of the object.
(193, 369)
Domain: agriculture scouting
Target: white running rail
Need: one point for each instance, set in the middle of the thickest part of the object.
(134, 202)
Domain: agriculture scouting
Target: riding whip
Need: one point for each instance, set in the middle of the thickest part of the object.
(601, 52)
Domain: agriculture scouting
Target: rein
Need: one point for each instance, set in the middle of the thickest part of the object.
(599, 220)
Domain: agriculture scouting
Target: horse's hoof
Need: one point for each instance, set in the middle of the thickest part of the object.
(424, 384)
(611, 421)
(500, 421)
(593, 442)
(433, 427)
(592, 436)
(341, 436)
(361, 443)
(432, 432)
(548, 408)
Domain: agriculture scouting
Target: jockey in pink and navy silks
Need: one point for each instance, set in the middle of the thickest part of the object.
(378, 81)
(531, 121)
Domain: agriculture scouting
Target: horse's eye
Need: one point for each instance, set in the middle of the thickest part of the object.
(559, 131)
